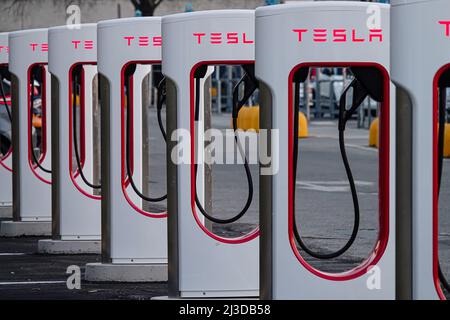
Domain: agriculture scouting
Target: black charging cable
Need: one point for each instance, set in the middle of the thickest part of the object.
(76, 85)
(2, 91)
(250, 85)
(161, 100)
(6, 145)
(441, 135)
(36, 161)
(128, 74)
(360, 93)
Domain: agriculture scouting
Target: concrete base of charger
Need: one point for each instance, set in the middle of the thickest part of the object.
(108, 272)
(6, 212)
(21, 228)
(50, 246)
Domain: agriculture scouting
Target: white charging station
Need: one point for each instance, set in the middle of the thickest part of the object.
(318, 34)
(420, 63)
(32, 176)
(201, 263)
(6, 158)
(134, 241)
(75, 195)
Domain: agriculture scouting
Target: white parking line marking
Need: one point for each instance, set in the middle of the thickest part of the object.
(330, 186)
(29, 282)
(13, 254)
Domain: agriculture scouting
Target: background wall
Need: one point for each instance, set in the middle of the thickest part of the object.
(27, 14)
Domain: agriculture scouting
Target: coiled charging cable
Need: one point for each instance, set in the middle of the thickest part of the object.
(2, 92)
(161, 99)
(76, 92)
(250, 85)
(360, 93)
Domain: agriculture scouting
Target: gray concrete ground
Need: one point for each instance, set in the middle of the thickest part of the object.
(324, 215)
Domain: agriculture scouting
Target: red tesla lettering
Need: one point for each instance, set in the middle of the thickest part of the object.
(300, 33)
(6, 48)
(320, 35)
(232, 38)
(224, 38)
(447, 27)
(33, 46)
(199, 37)
(157, 41)
(244, 39)
(129, 38)
(89, 44)
(216, 38)
(339, 35)
(144, 41)
(355, 37)
(76, 43)
(376, 33)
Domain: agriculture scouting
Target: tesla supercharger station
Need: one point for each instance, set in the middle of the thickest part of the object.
(31, 130)
(134, 240)
(202, 263)
(75, 195)
(420, 69)
(6, 153)
(290, 39)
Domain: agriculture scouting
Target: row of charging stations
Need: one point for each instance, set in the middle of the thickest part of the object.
(276, 48)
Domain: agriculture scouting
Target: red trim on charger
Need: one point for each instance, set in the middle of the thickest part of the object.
(252, 234)
(33, 167)
(383, 179)
(435, 182)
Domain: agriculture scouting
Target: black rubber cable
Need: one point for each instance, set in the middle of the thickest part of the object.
(343, 117)
(128, 147)
(36, 161)
(441, 133)
(4, 99)
(246, 167)
(6, 107)
(75, 140)
(159, 104)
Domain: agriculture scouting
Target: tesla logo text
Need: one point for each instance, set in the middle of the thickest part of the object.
(86, 44)
(223, 38)
(447, 27)
(42, 47)
(339, 35)
(4, 49)
(144, 41)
